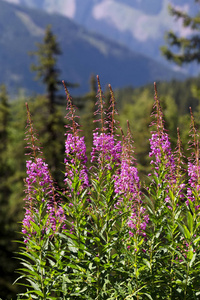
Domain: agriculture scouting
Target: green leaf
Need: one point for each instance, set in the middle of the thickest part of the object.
(97, 259)
(179, 282)
(148, 296)
(27, 264)
(190, 222)
(193, 256)
(39, 293)
(34, 285)
(184, 231)
(196, 241)
(20, 277)
(147, 263)
(191, 206)
(29, 273)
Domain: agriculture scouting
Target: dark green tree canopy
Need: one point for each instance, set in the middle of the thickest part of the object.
(184, 49)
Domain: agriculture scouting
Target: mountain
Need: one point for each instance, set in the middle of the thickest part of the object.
(138, 24)
(84, 53)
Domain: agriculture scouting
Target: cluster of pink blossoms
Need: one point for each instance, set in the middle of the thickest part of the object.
(166, 164)
(39, 176)
(38, 173)
(75, 151)
(127, 182)
(194, 182)
(138, 221)
(106, 150)
(127, 186)
(161, 148)
(193, 189)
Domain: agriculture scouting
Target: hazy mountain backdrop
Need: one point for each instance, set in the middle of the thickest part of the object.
(139, 24)
(84, 52)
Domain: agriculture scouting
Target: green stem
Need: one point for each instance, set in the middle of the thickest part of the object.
(187, 275)
(136, 268)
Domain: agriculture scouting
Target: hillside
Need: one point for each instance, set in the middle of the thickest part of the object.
(140, 25)
(84, 53)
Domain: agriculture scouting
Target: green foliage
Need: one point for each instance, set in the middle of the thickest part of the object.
(188, 47)
(8, 216)
(94, 253)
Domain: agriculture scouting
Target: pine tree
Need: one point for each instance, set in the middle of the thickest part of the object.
(188, 47)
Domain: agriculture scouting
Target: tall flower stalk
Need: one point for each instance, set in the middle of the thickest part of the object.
(42, 197)
(44, 217)
(75, 150)
(193, 190)
(105, 159)
(130, 206)
(106, 151)
(190, 226)
(165, 199)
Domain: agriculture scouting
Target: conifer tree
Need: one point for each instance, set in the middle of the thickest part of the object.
(46, 69)
(188, 47)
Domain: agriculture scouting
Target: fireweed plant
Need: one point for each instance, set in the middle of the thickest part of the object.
(107, 235)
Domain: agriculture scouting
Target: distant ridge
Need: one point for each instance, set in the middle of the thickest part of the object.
(84, 53)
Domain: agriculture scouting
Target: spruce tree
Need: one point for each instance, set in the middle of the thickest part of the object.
(47, 71)
(46, 68)
(183, 49)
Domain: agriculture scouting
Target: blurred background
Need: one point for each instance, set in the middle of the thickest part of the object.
(130, 44)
